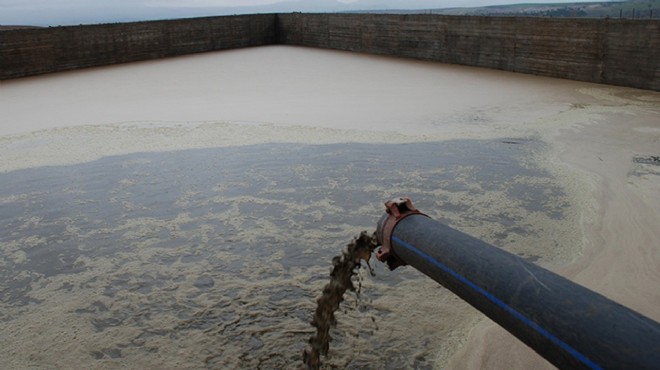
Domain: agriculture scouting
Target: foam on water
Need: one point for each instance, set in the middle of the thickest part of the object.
(215, 257)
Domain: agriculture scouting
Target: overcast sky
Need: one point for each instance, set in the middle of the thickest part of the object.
(67, 12)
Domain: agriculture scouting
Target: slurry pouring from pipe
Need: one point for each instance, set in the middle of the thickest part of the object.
(341, 279)
(569, 325)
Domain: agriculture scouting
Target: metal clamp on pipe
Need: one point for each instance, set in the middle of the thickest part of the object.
(569, 325)
(396, 210)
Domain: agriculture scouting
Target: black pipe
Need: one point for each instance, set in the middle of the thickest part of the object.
(568, 324)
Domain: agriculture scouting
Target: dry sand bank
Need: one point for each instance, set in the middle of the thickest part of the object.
(286, 94)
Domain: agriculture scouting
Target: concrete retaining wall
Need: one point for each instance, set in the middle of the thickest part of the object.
(610, 51)
(36, 51)
(618, 52)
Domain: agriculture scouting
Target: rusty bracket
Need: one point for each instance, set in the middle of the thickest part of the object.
(397, 209)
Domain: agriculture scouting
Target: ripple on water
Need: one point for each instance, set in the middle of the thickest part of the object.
(215, 257)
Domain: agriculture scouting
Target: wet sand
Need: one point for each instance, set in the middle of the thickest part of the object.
(591, 211)
(619, 256)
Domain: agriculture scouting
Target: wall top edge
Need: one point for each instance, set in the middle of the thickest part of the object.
(153, 21)
(351, 15)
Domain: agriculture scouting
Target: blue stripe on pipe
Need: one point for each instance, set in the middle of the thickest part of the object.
(572, 351)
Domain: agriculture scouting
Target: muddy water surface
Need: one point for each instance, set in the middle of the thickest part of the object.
(213, 258)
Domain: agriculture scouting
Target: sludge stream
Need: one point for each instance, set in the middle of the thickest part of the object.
(341, 279)
(215, 257)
